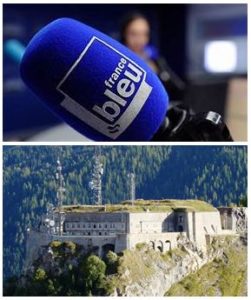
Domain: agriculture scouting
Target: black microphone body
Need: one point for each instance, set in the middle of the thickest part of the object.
(181, 124)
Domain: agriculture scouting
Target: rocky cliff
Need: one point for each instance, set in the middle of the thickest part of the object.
(64, 269)
(148, 273)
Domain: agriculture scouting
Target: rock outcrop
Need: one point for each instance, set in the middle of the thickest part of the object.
(183, 261)
(240, 219)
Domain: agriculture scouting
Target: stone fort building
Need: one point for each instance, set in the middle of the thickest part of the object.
(159, 224)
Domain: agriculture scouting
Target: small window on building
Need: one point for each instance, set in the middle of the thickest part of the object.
(105, 233)
(89, 225)
(83, 225)
(89, 233)
(180, 228)
(78, 225)
(73, 225)
(181, 219)
(99, 233)
(94, 225)
(105, 225)
(100, 226)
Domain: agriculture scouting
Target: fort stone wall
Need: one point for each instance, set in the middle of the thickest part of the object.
(205, 223)
(147, 222)
(117, 231)
(157, 222)
(160, 241)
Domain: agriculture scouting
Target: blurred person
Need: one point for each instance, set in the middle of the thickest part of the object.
(135, 33)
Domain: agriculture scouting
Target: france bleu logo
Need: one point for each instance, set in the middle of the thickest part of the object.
(113, 102)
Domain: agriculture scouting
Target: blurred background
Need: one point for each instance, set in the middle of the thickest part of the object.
(199, 52)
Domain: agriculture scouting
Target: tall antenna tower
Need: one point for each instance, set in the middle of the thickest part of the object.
(60, 194)
(96, 179)
(132, 186)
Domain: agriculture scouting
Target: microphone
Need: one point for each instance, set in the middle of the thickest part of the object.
(95, 84)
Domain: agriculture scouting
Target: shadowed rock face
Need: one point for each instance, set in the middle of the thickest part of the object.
(240, 218)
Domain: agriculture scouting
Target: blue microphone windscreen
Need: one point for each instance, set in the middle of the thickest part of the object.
(98, 86)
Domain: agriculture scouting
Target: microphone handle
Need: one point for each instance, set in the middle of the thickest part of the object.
(181, 125)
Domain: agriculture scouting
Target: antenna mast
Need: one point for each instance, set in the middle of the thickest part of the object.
(132, 186)
(60, 194)
(96, 179)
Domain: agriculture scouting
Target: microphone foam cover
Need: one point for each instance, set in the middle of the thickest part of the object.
(95, 84)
